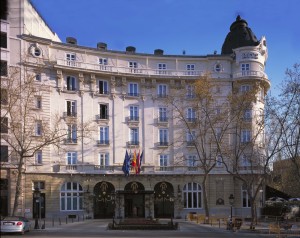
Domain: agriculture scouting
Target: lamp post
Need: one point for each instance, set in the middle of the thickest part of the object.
(229, 223)
(37, 197)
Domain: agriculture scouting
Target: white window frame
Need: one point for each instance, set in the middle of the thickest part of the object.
(163, 134)
(133, 113)
(72, 133)
(192, 161)
(72, 158)
(163, 162)
(71, 197)
(162, 114)
(162, 67)
(133, 89)
(103, 160)
(162, 90)
(246, 136)
(245, 198)
(190, 91)
(71, 83)
(134, 135)
(104, 134)
(191, 114)
(103, 87)
(38, 128)
(39, 157)
(71, 59)
(192, 195)
(190, 68)
(245, 88)
(133, 65)
(71, 108)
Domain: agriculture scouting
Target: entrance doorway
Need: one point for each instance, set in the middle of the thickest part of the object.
(163, 200)
(134, 200)
(104, 200)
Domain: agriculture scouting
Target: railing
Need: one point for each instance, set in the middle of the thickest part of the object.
(250, 73)
(162, 119)
(70, 114)
(133, 142)
(163, 143)
(143, 71)
(101, 117)
(70, 141)
(102, 142)
(133, 118)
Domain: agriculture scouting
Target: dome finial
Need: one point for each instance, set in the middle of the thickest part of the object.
(238, 18)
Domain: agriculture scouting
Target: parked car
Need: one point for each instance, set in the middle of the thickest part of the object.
(294, 200)
(15, 224)
(274, 200)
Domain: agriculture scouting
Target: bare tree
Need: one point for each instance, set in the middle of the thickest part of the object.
(28, 129)
(203, 126)
(288, 115)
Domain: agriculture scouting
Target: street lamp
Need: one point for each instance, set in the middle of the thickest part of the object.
(37, 197)
(231, 201)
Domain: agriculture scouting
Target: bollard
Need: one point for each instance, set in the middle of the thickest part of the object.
(59, 221)
(66, 220)
(44, 225)
(78, 218)
(72, 219)
(52, 221)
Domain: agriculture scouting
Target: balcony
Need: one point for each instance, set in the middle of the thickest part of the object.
(128, 70)
(133, 143)
(250, 73)
(190, 143)
(101, 117)
(162, 95)
(70, 141)
(133, 119)
(163, 144)
(191, 119)
(133, 94)
(162, 120)
(102, 142)
(70, 114)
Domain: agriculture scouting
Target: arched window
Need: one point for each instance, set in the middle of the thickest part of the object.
(71, 197)
(192, 195)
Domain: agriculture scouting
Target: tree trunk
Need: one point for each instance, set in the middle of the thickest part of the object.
(18, 187)
(205, 200)
(253, 214)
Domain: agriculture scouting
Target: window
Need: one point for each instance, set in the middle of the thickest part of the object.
(38, 102)
(190, 91)
(103, 87)
(133, 113)
(163, 137)
(218, 132)
(245, 88)
(246, 136)
(192, 163)
(71, 158)
(3, 40)
(38, 184)
(218, 68)
(4, 125)
(4, 96)
(190, 138)
(245, 197)
(103, 160)
(162, 114)
(72, 133)
(71, 83)
(219, 161)
(190, 69)
(245, 161)
(133, 89)
(103, 63)
(163, 162)
(38, 77)
(71, 59)
(247, 115)
(133, 66)
(3, 68)
(104, 135)
(71, 197)
(162, 68)
(103, 108)
(245, 69)
(71, 108)
(191, 115)
(134, 136)
(4, 153)
(162, 90)
(39, 157)
(192, 195)
(38, 128)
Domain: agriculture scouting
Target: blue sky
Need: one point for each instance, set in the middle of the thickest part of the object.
(197, 26)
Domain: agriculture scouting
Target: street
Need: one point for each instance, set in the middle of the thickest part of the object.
(98, 228)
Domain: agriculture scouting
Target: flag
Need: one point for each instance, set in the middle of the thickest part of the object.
(137, 163)
(140, 162)
(126, 164)
(133, 161)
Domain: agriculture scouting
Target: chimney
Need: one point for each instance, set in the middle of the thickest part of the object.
(158, 52)
(71, 40)
(130, 49)
(101, 46)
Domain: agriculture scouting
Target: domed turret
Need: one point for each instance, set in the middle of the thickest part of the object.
(240, 35)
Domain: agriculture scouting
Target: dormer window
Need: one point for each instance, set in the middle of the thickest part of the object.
(218, 68)
(71, 58)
